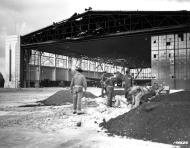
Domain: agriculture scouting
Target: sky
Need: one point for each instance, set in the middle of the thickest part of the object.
(24, 16)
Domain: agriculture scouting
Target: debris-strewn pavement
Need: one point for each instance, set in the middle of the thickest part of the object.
(26, 123)
(63, 97)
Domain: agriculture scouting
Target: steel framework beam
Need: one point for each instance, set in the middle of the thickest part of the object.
(98, 23)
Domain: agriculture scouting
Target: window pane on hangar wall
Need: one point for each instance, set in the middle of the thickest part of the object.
(112, 69)
(188, 40)
(171, 50)
(69, 62)
(166, 57)
(188, 63)
(99, 67)
(145, 73)
(188, 56)
(84, 65)
(154, 56)
(182, 40)
(92, 66)
(47, 59)
(34, 59)
(163, 57)
(170, 41)
(107, 68)
(162, 42)
(181, 56)
(154, 43)
(162, 66)
(170, 62)
(177, 65)
(61, 62)
(180, 62)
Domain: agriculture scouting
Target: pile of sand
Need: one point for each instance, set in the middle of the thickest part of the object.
(63, 97)
(165, 119)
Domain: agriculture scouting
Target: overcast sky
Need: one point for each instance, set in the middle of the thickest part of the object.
(23, 16)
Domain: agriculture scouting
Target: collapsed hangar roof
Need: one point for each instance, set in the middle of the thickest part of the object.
(118, 37)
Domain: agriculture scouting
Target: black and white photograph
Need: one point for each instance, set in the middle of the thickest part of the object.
(94, 73)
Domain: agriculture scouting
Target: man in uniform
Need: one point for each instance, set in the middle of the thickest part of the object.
(110, 82)
(128, 84)
(103, 85)
(78, 82)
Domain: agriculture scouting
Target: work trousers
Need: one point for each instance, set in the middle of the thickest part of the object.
(110, 94)
(77, 96)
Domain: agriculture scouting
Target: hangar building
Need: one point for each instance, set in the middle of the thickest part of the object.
(155, 45)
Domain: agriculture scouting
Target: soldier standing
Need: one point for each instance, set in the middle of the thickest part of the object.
(103, 85)
(110, 82)
(78, 82)
(128, 84)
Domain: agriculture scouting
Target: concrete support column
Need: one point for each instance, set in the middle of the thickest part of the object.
(68, 67)
(37, 83)
(88, 65)
(103, 67)
(54, 70)
(67, 62)
(96, 64)
(29, 70)
(22, 72)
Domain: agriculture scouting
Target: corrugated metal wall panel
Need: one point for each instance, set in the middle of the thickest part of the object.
(173, 63)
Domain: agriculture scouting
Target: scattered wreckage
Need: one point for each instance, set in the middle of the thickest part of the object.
(141, 94)
(138, 95)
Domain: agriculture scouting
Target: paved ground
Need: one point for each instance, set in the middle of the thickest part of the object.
(55, 126)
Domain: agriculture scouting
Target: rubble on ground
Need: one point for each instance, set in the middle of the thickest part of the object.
(63, 97)
(164, 119)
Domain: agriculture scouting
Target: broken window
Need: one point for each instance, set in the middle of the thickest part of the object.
(167, 43)
(181, 36)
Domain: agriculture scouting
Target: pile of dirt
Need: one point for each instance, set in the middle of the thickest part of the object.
(62, 97)
(165, 119)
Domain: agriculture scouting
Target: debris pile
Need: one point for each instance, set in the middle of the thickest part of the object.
(165, 119)
(62, 97)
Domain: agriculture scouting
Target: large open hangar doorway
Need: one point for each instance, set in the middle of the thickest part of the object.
(113, 53)
(109, 40)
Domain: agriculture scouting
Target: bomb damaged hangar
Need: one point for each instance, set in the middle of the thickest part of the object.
(106, 40)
